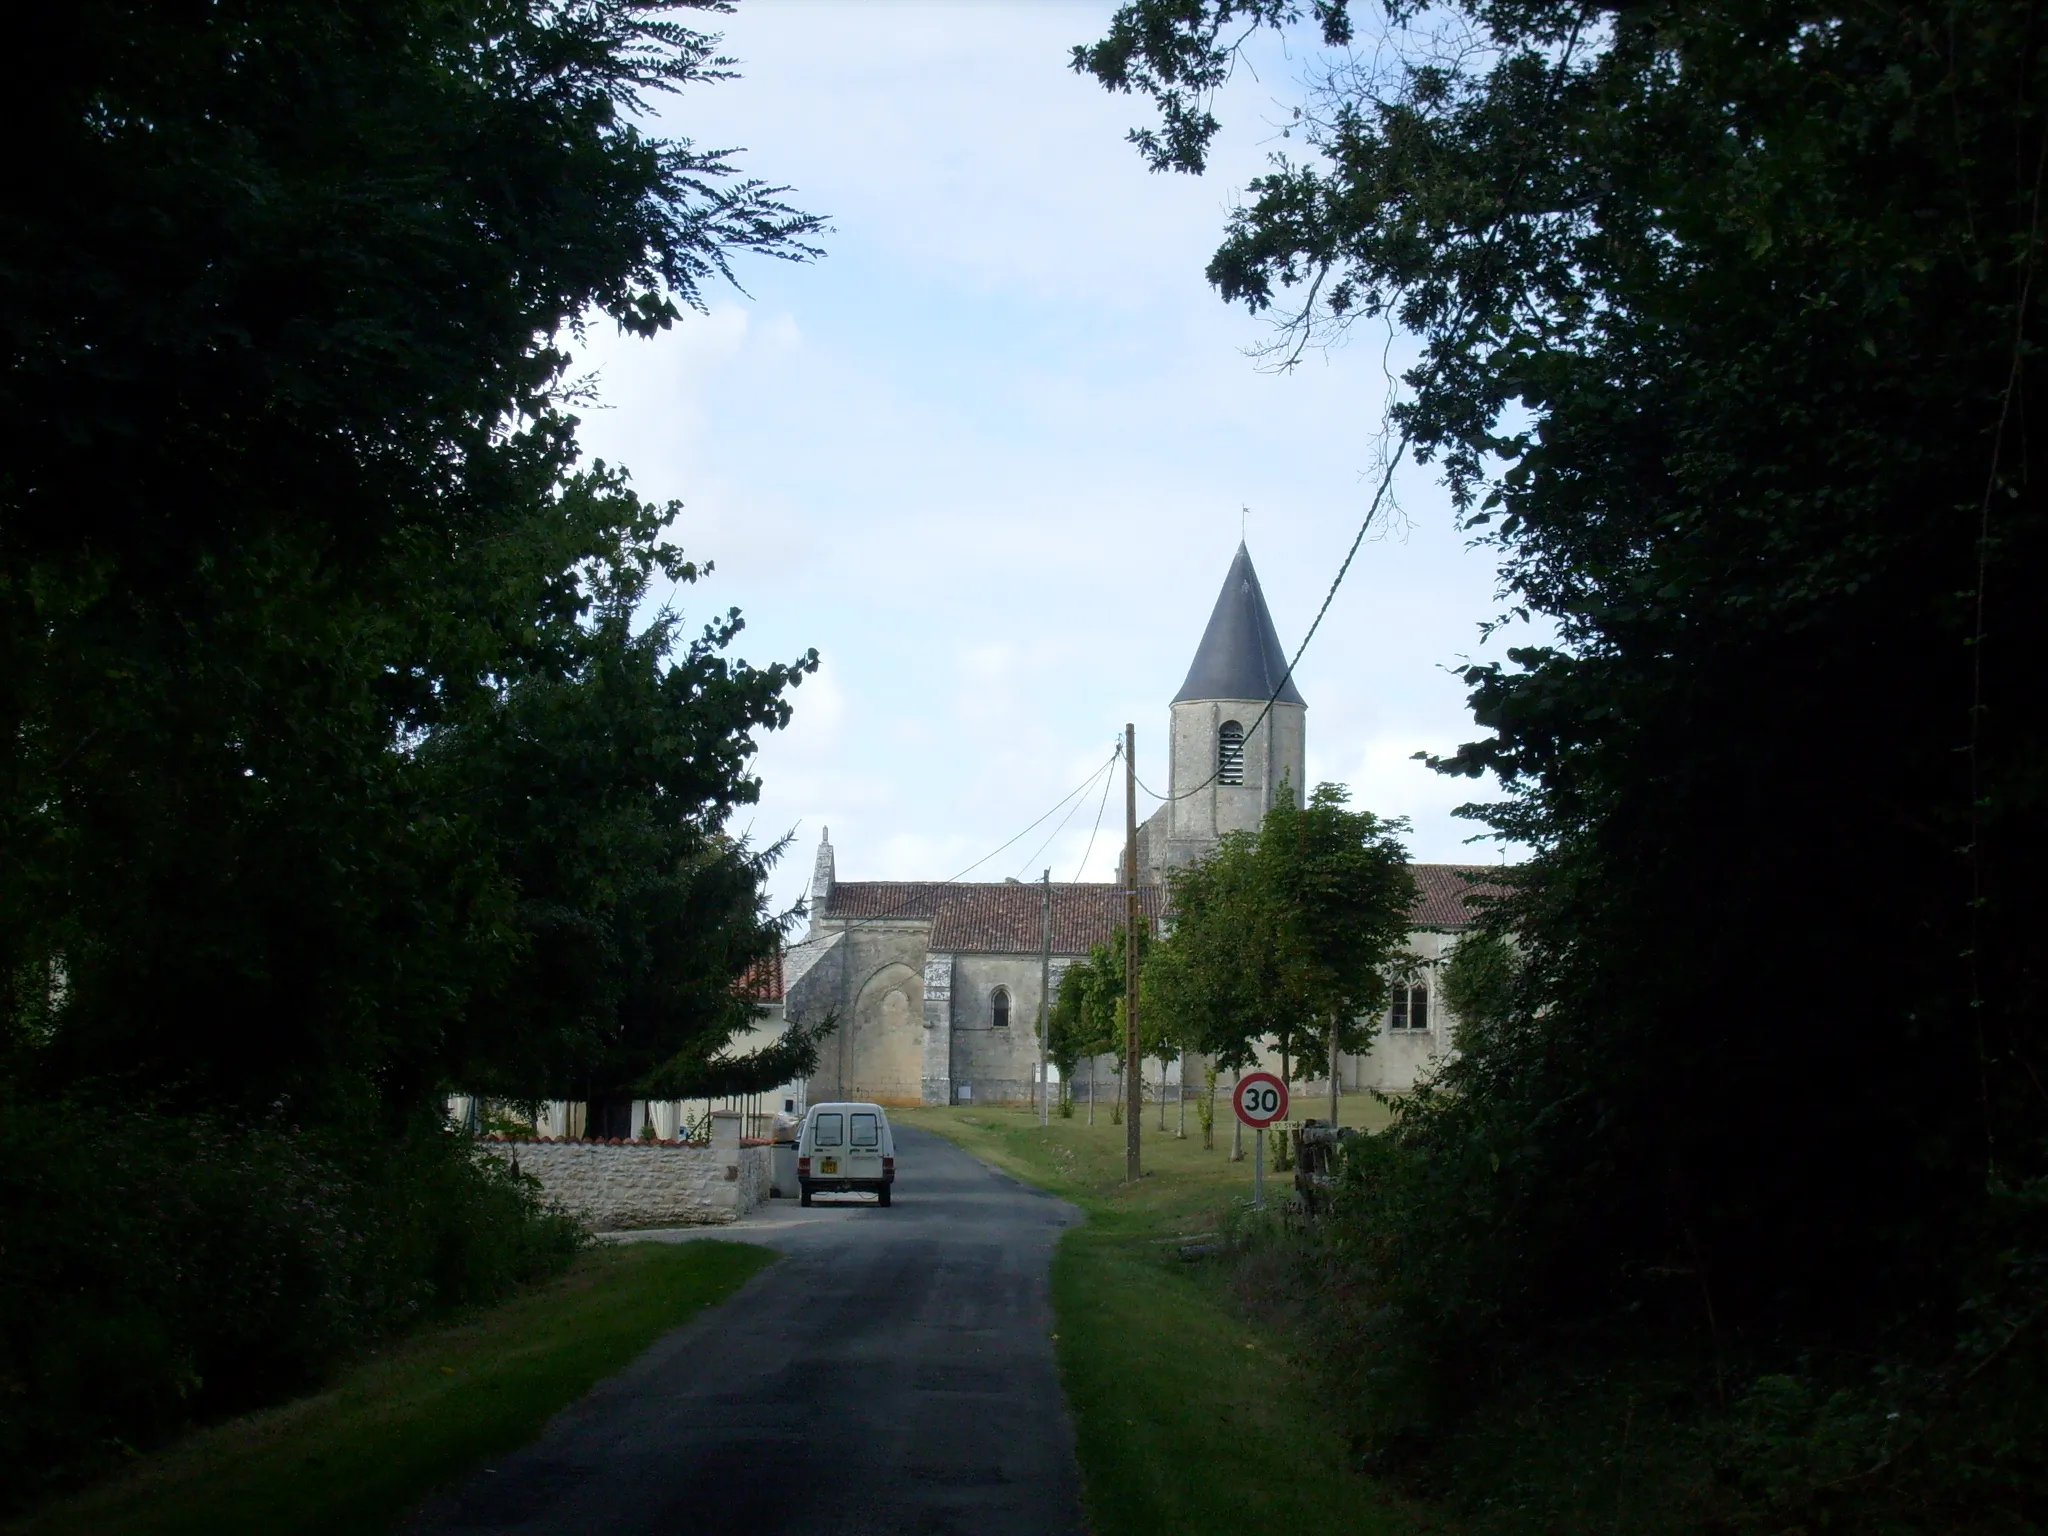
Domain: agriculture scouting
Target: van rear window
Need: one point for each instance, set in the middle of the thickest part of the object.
(865, 1132)
(828, 1130)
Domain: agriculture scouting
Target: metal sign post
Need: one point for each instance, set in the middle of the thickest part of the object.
(1260, 1099)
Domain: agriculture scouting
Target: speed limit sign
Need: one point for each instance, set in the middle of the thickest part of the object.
(1261, 1098)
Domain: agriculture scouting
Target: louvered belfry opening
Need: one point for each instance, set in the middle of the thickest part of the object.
(1230, 753)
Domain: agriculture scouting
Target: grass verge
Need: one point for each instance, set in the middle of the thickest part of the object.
(414, 1415)
(1188, 1415)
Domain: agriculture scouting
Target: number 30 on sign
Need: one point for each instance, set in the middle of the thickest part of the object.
(1261, 1098)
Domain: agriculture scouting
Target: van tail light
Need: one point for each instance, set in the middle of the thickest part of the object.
(888, 1165)
(803, 1167)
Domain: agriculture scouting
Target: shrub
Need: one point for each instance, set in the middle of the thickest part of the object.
(184, 1269)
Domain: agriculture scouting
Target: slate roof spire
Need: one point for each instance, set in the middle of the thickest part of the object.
(1240, 655)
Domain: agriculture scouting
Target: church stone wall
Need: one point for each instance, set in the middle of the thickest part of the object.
(1400, 1059)
(871, 977)
(937, 1084)
(999, 1064)
(876, 986)
(885, 1046)
(1186, 828)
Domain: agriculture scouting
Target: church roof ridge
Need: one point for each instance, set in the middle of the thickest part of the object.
(1240, 656)
(998, 917)
(994, 916)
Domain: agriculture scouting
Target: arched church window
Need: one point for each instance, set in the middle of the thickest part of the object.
(1230, 753)
(1411, 1006)
(999, 1007)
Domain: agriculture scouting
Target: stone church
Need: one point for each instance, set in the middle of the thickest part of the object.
(936, 983)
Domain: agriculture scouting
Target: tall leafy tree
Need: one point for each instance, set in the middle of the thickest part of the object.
(1072, 1033)
(1089, 1010)
(293, 521)
(1279, 933)
(1341, 892)
(1729, 323)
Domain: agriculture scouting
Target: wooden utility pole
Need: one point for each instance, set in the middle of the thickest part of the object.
(1134, 1083)
(1045, 1001)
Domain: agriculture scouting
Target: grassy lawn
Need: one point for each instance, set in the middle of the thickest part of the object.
(1188, 1416)
(413, 1416)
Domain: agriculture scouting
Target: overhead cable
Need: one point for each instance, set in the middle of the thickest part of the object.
(1081, 788)
(1099, 807)
(1104, 771)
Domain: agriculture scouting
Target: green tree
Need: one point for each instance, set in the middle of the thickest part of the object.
(296, 543)
(603, 786)
(1217, 974)
(1280, 932)
(1069, 1037)
(1729, 325)
(1341, 892)
(1478, 981)
(1088, 1013)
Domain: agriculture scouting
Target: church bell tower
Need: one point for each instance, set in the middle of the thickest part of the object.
(1227, 764)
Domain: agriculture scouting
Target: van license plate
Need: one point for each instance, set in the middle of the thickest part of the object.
(829, 1165)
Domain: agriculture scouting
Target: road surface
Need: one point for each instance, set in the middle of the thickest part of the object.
(891, 1375)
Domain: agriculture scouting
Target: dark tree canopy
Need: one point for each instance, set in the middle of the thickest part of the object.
(336, 764)
(1729, 320)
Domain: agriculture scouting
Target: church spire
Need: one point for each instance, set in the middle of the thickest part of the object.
(1240, 655)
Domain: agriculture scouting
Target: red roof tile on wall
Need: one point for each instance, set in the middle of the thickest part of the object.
(762, 981)
(1009, 919)
(908, 901)
(1445, 892)
(1004, 918)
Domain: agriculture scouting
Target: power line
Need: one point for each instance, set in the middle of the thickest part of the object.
(1056, 831)
(1082, 787)
(1100, 805)
(1378, 498)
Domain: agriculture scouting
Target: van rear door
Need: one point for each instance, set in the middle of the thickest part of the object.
(864, 1144)
(828, 1144)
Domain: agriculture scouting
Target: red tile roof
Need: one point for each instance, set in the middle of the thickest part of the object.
(1444, 891)
(908, 901)
(1009, 919)
(1001, 918)
(1004, 918)
(762, 981)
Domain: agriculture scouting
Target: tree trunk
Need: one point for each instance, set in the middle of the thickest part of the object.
(1334, 1086)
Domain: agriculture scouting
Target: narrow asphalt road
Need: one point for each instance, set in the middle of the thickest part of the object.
(891, 1375)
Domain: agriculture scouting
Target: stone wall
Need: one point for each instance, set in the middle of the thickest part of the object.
(757, 1177)
(618, 1185)
(999, 1064)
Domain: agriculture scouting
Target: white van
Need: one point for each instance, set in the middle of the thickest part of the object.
(845, 1147)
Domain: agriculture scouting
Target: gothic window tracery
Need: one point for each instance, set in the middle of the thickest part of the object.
(999, 1007)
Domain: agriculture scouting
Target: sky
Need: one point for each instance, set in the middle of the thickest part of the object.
(991, 455)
